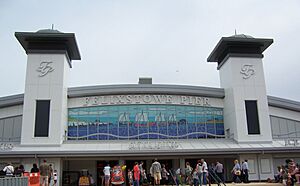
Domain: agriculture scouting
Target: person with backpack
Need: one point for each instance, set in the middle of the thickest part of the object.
(9, 170)
(155, 171)
(188, 173)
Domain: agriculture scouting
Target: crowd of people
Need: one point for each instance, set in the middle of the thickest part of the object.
(199, 174)
(288, 174)
(47, 174)
(159, 174)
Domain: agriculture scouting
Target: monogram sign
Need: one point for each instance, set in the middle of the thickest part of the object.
(45, 68)
(247, 71)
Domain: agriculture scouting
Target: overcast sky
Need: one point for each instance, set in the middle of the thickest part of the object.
(168, 40)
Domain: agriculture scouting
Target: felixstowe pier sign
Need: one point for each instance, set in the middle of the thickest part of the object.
(141, 99)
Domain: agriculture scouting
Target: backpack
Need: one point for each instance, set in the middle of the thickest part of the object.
(156, 167)
(188, 171)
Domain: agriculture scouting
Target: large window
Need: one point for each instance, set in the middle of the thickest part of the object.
(42, 118)
(145, 122)
(252, 117)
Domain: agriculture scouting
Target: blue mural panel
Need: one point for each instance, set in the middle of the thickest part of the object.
(123, 122)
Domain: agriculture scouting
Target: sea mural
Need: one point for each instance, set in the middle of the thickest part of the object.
(125, 122)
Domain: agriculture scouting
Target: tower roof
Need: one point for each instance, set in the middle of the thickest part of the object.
(49, 41)
(239, 45)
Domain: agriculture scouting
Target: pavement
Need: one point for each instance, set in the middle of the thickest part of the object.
(252, 184)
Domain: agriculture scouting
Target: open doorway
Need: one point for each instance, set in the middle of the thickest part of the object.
(100, 166)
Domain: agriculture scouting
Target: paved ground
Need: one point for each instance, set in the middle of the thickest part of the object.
(252, 184)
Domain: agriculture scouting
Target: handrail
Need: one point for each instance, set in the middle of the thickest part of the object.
(287, 134)
(150, 133)
(10, 139)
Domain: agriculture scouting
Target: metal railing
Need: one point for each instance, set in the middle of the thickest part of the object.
(292, 134)
(15, 181)
(10, 139)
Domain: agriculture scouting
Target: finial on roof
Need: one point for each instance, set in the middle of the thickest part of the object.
(52, 26)
(234, 31)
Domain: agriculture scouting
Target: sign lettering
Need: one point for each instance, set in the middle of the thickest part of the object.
(145, 99)
(149, 145)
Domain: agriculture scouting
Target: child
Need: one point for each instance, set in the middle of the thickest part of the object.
(55, 177)
(195, 177)
(178, 176)
(130, 177)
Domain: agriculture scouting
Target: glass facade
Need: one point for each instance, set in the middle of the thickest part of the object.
(119, 122)
(283, 128)
(10, 129)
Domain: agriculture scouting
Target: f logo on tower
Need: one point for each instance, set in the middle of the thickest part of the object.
(44, 68)
(247, 71)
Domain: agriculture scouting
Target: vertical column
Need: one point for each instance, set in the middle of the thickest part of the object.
(182, 164)
(246, 113)
(50, 53)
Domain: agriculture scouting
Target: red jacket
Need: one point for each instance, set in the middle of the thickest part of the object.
(136, 172)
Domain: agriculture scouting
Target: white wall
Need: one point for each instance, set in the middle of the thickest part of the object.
(237, 90)
(53, 87)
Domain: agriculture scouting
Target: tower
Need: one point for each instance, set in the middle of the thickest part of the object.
(246, 113)
(49, 59)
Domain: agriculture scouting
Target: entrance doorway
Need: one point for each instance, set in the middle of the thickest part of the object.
(100, 167)
(227, 164)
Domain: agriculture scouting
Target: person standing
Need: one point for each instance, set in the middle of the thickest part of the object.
(164, 175)
(205, 170)
(123, 167)
(19, 171)
(130, 177)
(106, 171)
(9, 170)
(188, 173)
(50, 173)
(142, 171)
(245, 169)
(236, 172)
(44, 173)
(195, 178)
(55, 177)
(219, 170)
(178, 176)
(155, 170)
(200, 172)
(92, 181)
(34, 168)
(84, 179)
(136, 174)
